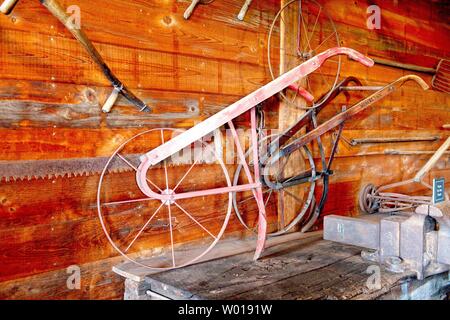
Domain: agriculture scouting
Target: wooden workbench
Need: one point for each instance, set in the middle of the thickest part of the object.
(308, 268)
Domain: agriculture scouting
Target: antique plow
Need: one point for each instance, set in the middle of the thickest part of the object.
(377, 199)
(165, 190)
(119, 88)
(283, 146)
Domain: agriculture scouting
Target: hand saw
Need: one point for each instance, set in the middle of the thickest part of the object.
(60, 168)
(21, 170)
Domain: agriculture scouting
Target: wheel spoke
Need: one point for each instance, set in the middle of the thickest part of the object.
(281, 208)
(252, 197)
(268, 197)
(185, 175)
(293, 196)
(195, 220)
(171, 235)
(143, 228)
(127, 201)
(165, 163)
(323, 42)
(323, 77)
(315, 23)
(135, 169)
(306, 32)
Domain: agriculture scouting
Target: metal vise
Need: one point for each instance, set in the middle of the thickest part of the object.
(409, 241)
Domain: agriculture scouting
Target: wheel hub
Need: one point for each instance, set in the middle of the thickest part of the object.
(168, 192)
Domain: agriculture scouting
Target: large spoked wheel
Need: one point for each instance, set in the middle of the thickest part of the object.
(295, 197)
(314, 32)
(158, 234)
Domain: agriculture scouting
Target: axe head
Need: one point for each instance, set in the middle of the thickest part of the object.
(7, 6)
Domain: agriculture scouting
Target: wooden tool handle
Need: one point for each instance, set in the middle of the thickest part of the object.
(7, 6)
(435, 158)
(111, 100)
(244, 10)
(190, 9)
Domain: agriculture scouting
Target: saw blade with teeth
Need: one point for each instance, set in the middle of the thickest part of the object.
(59, 168)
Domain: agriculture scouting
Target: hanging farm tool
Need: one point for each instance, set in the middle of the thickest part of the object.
(378, 140)
(119, 88)
(375, 199)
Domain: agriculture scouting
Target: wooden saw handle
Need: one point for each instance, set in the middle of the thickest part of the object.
(111, 101)
(190, 9)
(7, 6)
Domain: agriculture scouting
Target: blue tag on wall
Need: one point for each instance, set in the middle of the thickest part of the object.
(438, 190)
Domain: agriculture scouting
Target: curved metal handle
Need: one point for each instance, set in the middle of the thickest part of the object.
(190, 9)
(351, 53)
(341, 117)
(411, 77)
(303, 92)
(246, 103)
(7, 6)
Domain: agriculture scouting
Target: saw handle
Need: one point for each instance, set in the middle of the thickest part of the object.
(7, 6)
(244, 10)
(190, 9)
(435, 158)
(111, 100)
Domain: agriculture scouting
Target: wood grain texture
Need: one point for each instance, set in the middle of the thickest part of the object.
(51, 95)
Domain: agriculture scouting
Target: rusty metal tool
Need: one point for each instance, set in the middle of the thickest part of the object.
(192, 6)
(378, 140)
(409, 152)
(244, 10)
(56, 10)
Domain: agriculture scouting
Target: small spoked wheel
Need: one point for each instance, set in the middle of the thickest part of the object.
(171, 233)
(291, 200)
(367, 202)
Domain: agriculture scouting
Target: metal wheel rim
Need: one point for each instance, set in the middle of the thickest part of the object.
(112, 242)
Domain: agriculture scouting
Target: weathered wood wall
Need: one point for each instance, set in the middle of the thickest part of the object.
(50, 96)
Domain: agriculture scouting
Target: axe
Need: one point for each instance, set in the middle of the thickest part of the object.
(119, 88)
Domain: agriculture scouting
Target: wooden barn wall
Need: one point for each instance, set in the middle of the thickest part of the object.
(50, 96)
